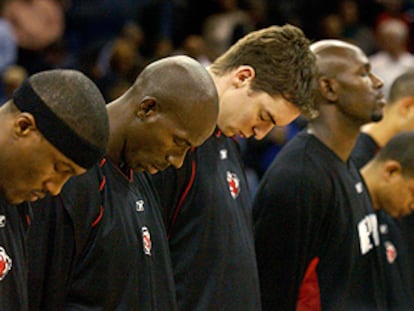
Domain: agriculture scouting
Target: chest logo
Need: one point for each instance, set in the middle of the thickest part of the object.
(383, 228)
(359, 187)
(146, 241)
(234, 184)
(223, 154)
(5, 263)
(139, 206)
(368, 233)
(390, 251)
(2, 221)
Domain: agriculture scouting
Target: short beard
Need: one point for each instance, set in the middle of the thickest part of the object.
(376, 116)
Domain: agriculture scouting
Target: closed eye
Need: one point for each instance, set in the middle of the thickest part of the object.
(267, 117)
(181, 142)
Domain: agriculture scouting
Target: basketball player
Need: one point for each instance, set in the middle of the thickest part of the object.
(105, 246)
(54, 127)
(263, 80)
(315, 228)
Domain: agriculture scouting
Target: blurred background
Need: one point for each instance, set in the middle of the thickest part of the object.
(112, 40)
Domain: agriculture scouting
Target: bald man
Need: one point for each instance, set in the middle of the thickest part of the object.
(106, 245)
(55, 126)
(315, 229)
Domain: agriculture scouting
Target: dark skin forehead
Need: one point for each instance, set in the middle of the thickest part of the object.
(194, 122)
(185, 92)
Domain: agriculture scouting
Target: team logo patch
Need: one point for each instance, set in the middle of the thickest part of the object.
(223, 154)
(5, 263)
(368, 233)
(146, 240)
(234, 184)
(390, 251)
(139, 206)
(359, 187)
(383, 228)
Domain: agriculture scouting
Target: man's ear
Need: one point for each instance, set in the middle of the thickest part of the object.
(406, 106)
(243, 75)
(147, 107)
(24, 124)
(391, 169)
(328, 88)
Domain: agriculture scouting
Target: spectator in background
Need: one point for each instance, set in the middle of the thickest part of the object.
(92, 23)
(132, 33)
(157, 20)
(124, 66)
(354, 30)
(395, 9)
(279, 12)
(392, 9)
(8, 45)
(36, 23)
(195, 47)
(223, 28)
(331, 27)
(11, 79)
(393, 57)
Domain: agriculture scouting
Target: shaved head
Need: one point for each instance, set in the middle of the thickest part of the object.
(169, 78)
(345, 79)
(332, 55)
(323, 45)
(171, 107)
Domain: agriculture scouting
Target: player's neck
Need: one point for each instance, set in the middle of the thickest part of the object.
(340, 141)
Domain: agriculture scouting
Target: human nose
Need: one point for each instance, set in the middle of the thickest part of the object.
(54, 185)
(377, 81)
(176, 160)
(262, 130)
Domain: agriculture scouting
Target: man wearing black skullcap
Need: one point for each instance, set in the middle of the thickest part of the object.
(54, 127)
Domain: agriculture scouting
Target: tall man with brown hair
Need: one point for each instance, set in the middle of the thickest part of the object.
(263, 80)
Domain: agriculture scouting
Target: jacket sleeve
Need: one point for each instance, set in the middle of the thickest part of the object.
(58, 233)
(289, 209)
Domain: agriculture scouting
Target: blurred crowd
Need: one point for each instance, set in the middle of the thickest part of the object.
(112, 40)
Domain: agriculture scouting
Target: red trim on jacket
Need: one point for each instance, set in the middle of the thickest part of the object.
(309, 297)
(182, 199)
(98, 219)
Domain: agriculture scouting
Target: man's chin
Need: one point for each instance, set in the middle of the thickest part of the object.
(376, 116)
(14, 200)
